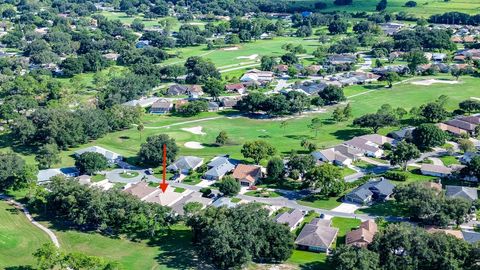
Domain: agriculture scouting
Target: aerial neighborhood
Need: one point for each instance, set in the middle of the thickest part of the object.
(227, 134)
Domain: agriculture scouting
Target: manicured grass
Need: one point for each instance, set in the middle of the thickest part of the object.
(320, 202)
(18, 238)
(414, 175)
(172, 251)
(449, 160)
(235, 200)
(193, 179)
(263, 193)
(129, 174)
(347, 171)
(424, 8)
(179, 190)
(98, 177)
(388, 208)
(344, 225)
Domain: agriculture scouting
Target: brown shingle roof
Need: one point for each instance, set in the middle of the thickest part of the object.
(247, 172)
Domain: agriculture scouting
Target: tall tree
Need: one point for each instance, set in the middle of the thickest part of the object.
(47, 155)
(257, 150)
(151, 152)
(403, 153)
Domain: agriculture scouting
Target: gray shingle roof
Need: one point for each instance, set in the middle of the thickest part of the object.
(471, 237)
(290, 218)
(317, 236)
(185, 163)
(467, 193)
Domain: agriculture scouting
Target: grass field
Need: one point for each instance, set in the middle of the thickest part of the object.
(424, 8)
(173, 251)
(18, 238)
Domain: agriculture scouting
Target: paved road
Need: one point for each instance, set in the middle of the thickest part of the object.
(50, 234)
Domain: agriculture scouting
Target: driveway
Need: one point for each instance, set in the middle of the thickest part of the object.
(346, 208)
(436, 161)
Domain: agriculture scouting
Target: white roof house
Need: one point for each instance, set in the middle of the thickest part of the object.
(112, 157)
(330, 155)
(45, 175)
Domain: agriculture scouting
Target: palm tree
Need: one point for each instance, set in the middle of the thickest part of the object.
(140, 128)
(284, 125)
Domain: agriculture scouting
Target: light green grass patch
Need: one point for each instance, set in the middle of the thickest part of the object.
(18, 238)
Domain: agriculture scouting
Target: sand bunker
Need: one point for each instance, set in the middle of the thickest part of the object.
(193, 145)
(475, 98)
(251, 57)
(231, 49)
(195, 130)
(432, 81)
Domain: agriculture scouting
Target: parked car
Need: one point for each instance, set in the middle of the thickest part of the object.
(149, 171)
(253, 188)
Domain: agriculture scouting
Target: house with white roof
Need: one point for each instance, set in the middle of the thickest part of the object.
(111, 157)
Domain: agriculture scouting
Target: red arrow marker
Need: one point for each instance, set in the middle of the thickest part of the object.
(164, 184)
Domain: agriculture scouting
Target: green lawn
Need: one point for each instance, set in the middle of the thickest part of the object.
(424, 8)
(172, 251)
(18, 238)
(320, 202)
(263, 193)
(414, 175)
(235, 200)
(179, 190)
(98, 177)
(347, 171)
(449, 160)
(129, 174)
(388, 208)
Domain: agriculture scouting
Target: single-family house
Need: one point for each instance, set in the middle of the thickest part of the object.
(349, 152)
(341, 59)
(471, 237)
(467, 193)
(469, 127)
(194, 91)
(467, 157)
(317, 236)
(369, 144)
(257, 76)
(45, 175)
(236, 87)
(473, 119)
(111, 157)
(362, 236)
(192, 197)
(391, 28)
(224, 201)
(142, 102)
(219, 167)
(404, 133)
(455, 233)
(436, 170)
(281, 68)
(377, 190)
(140, 190)
(330, 155)
(310, 88)
(177, 90)
(161, 106)
(213, 106)
(185, 164)
(247, 175)
(451, 129)
(292, 218)
(439, 57)
(228, 103)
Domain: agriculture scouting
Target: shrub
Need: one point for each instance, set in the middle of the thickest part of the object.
(411, 4)
(205, 191)
(396, 176)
